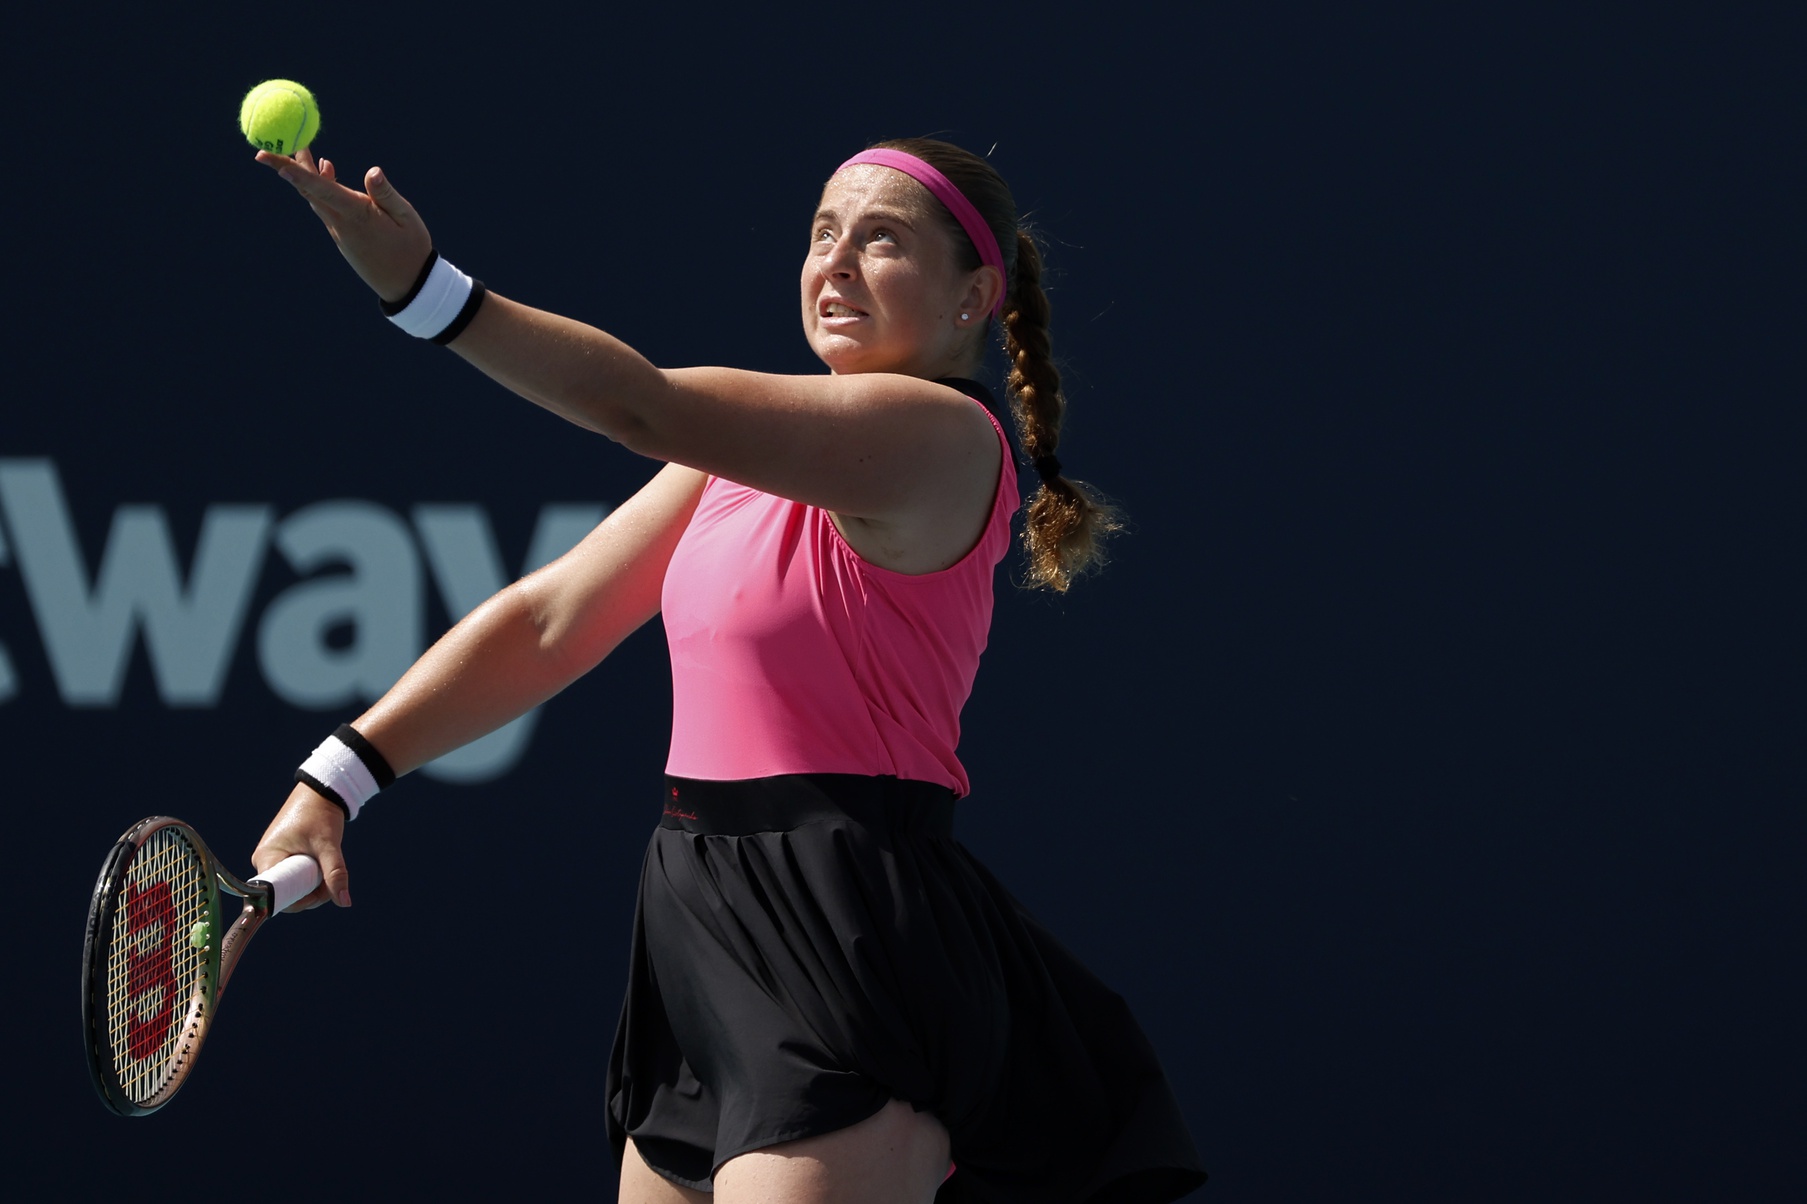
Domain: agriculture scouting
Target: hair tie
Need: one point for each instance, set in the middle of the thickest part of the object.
(1047, 467)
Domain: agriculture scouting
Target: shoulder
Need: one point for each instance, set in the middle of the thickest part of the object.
(949, 524)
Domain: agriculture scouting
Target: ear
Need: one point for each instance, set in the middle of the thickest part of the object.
(982, 292)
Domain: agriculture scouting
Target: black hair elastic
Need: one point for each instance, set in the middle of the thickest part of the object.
(1047, 467)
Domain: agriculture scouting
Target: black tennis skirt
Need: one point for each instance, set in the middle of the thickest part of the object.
(809, 947)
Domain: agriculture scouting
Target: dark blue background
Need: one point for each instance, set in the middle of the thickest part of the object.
(1426, 770)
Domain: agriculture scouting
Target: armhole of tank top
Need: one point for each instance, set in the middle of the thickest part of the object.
(1006, 464)
(1007, 482)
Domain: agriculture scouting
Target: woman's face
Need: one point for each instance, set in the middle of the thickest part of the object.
(882, 291)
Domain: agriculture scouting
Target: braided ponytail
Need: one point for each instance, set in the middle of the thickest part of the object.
(1067, 522)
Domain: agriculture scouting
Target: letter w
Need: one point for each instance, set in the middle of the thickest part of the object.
(88, 633)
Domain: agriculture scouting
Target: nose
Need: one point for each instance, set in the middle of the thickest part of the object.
(836, 259)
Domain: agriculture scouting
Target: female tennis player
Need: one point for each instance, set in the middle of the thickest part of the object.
(829, 998)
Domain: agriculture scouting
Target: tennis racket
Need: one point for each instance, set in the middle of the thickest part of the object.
(157, 956)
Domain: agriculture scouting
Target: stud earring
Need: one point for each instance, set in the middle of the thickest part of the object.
(965, 317)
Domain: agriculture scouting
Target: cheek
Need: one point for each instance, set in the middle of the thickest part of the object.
(901, 288)
(806, 294)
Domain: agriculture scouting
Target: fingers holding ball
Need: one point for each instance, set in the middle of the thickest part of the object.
(280, 116)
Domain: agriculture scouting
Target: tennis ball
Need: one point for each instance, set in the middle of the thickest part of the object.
(200, 934)
(279, 115)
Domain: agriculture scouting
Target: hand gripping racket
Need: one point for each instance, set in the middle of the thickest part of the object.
(157, 956)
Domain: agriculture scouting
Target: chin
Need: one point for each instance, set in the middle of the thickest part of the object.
(844, 358)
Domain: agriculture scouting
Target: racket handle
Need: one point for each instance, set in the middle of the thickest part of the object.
(290, 879)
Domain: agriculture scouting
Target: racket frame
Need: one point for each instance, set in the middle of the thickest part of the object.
(219, 959)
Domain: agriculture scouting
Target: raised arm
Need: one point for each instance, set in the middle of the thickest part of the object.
(520, 648)
(882, 447)
(876, 446)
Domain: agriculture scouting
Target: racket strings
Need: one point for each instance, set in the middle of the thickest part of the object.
(152, 969)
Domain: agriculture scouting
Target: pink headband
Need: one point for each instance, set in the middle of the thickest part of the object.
(975, 226)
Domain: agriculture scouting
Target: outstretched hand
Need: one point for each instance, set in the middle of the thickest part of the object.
(377, 231)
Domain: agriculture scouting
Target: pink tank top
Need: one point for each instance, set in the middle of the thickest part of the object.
(792, 654)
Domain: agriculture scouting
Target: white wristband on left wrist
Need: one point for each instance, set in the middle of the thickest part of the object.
(440, 305)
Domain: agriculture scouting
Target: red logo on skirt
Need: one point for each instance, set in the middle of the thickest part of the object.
(672, 810)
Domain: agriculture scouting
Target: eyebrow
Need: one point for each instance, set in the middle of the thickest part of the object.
(891, 217)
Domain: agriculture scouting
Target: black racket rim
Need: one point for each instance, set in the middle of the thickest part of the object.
(95, 944)
(103, 917)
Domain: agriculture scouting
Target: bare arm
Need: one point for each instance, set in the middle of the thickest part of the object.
(884, 448)
(540, 634)
(876, 446)
(520, 648)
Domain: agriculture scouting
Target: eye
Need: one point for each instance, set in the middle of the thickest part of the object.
(824, 235)
(883, 235)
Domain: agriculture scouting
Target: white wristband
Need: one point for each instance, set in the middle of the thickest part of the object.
(335, 766)
(442, 304)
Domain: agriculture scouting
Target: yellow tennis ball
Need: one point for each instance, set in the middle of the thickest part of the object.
(279, 115)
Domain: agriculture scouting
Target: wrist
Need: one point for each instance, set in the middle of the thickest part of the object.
(306, 799)
(346, 770)
(439, 305)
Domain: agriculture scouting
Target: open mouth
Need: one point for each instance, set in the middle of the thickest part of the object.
(840, 309)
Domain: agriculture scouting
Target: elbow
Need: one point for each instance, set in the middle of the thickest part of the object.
(563, 644)
(628, 413)
(635, 433)
(642, 413)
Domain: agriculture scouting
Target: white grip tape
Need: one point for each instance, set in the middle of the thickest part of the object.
(290, 879)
